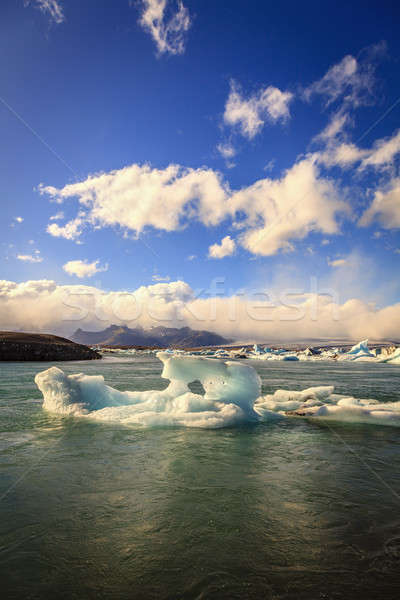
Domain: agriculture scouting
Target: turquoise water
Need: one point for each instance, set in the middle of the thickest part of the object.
(290, 509)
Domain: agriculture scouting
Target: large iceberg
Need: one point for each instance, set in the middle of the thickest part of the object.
(231, 390)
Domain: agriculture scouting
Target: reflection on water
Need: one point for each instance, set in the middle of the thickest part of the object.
(279, 510)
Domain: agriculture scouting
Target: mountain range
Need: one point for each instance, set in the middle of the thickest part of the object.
(161, 337)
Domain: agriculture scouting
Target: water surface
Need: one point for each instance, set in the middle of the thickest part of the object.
(290, 509)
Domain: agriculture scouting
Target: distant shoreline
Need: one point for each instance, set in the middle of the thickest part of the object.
(26, 347)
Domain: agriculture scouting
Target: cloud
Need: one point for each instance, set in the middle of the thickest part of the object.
(30, 257)
(260, 316)
(70, 231)
(52, 8)
(166, 27)
(250, 114)
(385, 207)
(160, 278)
(58, 216)
(270, 213)
(225, 248)
(335, 126)
(338, 262)
(82, 268)
(282, 210)
(137, 197)
(351, 80)
(344, 154)
(383, 152)
(19, 219)
(227, 150)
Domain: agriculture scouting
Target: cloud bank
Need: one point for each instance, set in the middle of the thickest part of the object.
(257, 316)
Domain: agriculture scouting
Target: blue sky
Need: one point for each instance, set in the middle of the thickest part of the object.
(161, 117)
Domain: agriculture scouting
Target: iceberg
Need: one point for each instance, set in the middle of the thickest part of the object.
(231, 390)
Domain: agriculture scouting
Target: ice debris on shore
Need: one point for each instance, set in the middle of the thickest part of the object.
(232, 397)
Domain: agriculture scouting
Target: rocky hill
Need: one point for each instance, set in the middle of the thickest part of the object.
(160, 337)
(18, 346)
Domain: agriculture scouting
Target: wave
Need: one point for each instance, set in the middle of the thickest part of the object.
(232, 396)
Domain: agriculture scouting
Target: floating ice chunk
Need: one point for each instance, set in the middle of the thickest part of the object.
(393, 358)
(360, 347)
(231, 389)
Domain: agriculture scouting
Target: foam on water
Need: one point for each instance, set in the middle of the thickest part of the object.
(232, 396)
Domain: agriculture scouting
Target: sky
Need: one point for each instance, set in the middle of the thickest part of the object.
(227, 166)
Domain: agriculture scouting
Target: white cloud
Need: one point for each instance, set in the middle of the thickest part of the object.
(271, 212)
(338, 79)
(225, 248)
(352, 80)
(338, 262)
(385, 207)
(192, 257)
(166, 26)
(335, 126)
(160, 278)
(52, 8)
(282, 210)
(137, 196)
(250, 114)
(19, 219)
(383, 152)
(227, 150)
(62, 309)
(70, 231)
(344, 154)
(30, 257)
(82, 268)
(58, 216)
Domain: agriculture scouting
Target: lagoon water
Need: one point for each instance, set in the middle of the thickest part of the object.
(288, 509)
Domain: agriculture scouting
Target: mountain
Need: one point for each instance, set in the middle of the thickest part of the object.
(160, 337)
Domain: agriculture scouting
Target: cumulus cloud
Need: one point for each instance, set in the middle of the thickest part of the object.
(52, 8)
(19, 219)
(167, 22)
(82, 268)
(251, 113)
(138, 196)
(225, 248)
(70, 231)
(261, 317)
(271, 213)
(282, 210)
(385, 207)
(32, 258)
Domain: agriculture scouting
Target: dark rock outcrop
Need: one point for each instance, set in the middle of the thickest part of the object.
(18, 346)
(157, 337)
